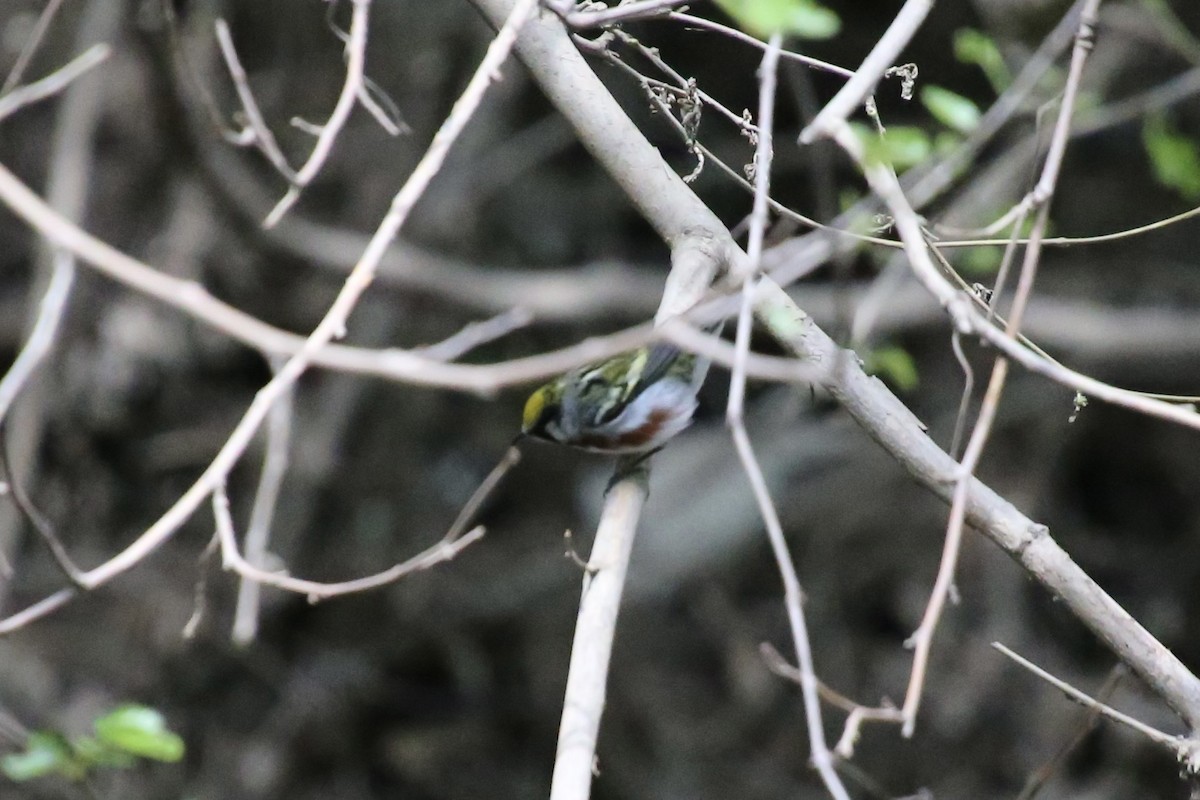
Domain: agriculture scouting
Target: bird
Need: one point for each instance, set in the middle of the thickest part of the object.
(632, 403)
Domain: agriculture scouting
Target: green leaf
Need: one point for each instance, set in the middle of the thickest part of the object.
(139, 731)
(45, 754)
(974, 47)
(980, 261)
(807, 19)
(847, 197)
(895, 364)
(902, 146)
(951, 109)
(93, 753)
(945, 143)
(1174, 157)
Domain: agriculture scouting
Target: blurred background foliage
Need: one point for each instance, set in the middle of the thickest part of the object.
(448, 685)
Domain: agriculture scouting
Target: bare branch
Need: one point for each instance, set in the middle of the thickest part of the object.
(734, 33)
(457, 539)
(793, 596)
(591, 648)
(967, 318)
(41, 338)
(41, 608)
(671, 207)
(256, 132)
(331, 326)
(55, 82)
(443, 550)
(477, 334)
(262, 513)
(356, 58)
(626, 12)
(882, 56)
(1087, 723)
(23, 503)
(1176, 744)
(31, 46)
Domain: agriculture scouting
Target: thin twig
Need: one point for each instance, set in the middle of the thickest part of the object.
(68, 180)
(882, 56)
(389, 117)
(511, 457)
(200, 589)
(31, 46)
(443, 550)
(332, 325)
(477, 334)
(41, 608)
(256, 132)
(964, 401)
(25, 505)
(456, 539)
(924, 183)
(55, 82)
(627, 12)
(356, 59)
(793, 596)
(41, 338)
(683, 87)
(967, 318)
(675, 212)
(857, 713)
(1086, 724)
(1176, 744)
(736, 176)
(734, 33)
(262, 513)
(409, 366)
(922, 639)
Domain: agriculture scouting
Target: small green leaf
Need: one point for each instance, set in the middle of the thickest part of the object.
(45, 754)
(807, 19)
(811, 20)
(945, 143)
(974, 47)
(902, 146)
(139, 731)
(951, 109)
(906, 146)
(847, 197)
(980, 261)
(1174, 157)
(895, 364)
(93, 753)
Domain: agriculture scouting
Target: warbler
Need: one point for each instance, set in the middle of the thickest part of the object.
(631, 403)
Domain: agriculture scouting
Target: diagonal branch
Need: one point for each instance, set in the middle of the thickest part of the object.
(882, 56)
(356, 57)
(922, 640)
(793, 596)
(671, 207)
(332, 326)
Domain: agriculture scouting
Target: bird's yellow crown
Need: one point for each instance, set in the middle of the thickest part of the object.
(533, 409)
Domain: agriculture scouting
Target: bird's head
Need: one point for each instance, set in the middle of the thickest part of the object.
(542, 408)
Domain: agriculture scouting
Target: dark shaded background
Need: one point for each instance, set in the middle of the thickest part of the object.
(448, 685)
